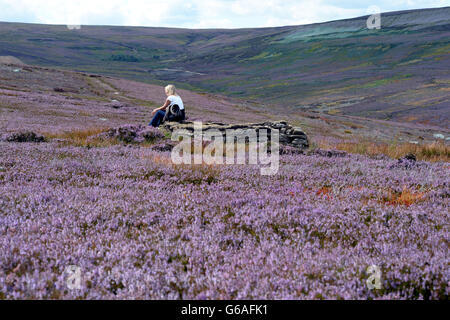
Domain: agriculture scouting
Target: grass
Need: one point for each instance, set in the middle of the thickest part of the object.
(406, 198)
(82, 137)
(89, 138)
(435, 151)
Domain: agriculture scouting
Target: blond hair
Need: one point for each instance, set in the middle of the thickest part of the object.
(171, 90)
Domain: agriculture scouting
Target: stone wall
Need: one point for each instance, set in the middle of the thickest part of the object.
(290, 136)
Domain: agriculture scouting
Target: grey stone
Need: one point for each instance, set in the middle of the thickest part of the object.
(284, 139)
(297, 131)
(290, 136)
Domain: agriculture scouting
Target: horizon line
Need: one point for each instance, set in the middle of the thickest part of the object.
(218, 28)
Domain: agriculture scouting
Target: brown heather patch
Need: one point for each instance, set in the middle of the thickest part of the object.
(406, 198)
(8, 94)
(82, 137)
(158, 159)
(325, 192)
(351, 125)
(435, 151)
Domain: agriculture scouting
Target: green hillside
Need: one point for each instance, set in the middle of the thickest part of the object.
(399, 72)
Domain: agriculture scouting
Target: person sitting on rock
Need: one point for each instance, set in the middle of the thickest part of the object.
(172, 110)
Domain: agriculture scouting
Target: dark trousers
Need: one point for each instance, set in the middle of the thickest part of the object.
(157, 118)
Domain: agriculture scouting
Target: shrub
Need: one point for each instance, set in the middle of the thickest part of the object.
(25, 136)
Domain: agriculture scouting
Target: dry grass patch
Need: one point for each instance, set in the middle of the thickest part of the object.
(436, 151)
(406, 198)
(82, 137)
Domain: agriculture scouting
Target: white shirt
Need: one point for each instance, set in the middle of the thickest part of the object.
(176, 100)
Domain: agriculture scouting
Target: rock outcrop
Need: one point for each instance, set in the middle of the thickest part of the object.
(133, 134)
(290, 136)
(409, 161)
(24, 136)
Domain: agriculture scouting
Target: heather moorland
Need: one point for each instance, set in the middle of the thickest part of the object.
(85, 182)
(140, 227)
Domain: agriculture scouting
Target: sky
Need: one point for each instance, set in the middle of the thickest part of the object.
(198, 13)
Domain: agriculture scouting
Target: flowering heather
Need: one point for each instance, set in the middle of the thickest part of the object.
(139, 227)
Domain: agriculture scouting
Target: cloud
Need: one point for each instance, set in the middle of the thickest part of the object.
(196, 13)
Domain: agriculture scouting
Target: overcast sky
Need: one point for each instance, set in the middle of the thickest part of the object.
(197, 13)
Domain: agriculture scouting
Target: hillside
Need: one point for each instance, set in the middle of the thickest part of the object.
(140, 227)
(399, 72)
(52, 100)
(87, 188)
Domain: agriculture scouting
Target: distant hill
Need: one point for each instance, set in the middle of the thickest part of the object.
(400, 72)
